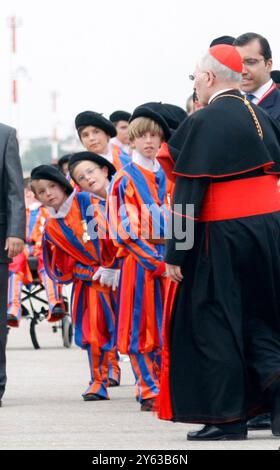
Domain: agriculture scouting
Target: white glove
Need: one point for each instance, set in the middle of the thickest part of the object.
(116, 279)
(107, 277)
(97, 274)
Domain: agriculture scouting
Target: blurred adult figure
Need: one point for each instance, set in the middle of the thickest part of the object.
(12, 227)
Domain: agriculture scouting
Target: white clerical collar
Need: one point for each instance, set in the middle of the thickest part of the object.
(64, 208)
(125, 148)
(109, 154)
(144, 162)
(261, 91)
(218, 93)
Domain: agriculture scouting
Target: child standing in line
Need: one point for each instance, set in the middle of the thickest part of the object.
(19, 272)
(137, 218)
(72, 255)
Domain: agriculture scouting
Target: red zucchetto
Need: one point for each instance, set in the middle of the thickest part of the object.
(228, 56)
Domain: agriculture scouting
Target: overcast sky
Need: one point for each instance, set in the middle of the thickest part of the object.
(114, 54)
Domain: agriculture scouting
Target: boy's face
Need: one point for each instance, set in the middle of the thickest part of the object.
(29, 197)
(122, 132)
(95, 139)
(148, 145)
(49, 193)
(91, 178)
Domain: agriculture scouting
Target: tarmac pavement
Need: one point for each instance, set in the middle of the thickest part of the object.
(43, 408)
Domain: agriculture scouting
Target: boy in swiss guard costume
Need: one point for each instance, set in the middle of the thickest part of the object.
(83, 172)
(137, 217)
(19, 272)
(95, 132)
(120, 119)
(74, 251)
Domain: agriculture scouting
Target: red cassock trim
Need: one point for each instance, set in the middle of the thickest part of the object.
(241, 198)
(266, 167)
(163, 402)
(165, 159)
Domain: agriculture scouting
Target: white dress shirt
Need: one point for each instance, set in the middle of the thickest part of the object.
(109, 154)
(64, 208)
(146, 163)
(124, 148)
(261, 91)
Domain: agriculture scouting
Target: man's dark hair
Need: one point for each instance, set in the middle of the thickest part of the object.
(244, 39)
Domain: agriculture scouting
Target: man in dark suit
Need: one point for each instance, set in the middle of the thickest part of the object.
(261, 90)
(12, 227)
(256, 79)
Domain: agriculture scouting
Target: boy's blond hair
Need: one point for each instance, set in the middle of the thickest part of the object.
(139, 126)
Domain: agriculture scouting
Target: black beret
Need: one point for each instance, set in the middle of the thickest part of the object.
(92, 157)
(275, 75)
(119, 116)
(64, 159)
(50, 173)
(223, 40)
(174, 115)
(90, 118)
(154, 111)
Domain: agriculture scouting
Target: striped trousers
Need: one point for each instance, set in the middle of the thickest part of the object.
(146, 369)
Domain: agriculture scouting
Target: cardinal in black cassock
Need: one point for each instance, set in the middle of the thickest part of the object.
(221, 360)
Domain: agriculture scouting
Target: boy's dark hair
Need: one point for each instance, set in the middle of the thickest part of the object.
(80, 130)
(244, 39)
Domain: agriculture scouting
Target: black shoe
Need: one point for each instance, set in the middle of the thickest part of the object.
(113, 383)
(58, 312)
(275, 408)
(93, 397)
(221, 432)
(148, 404)
(12, 320)
(259, 423)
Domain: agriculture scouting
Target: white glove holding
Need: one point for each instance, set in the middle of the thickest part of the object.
(107, 277)
(97, 274)
(116, 279)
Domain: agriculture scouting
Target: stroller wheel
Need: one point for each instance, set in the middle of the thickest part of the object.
(34, 340)
(67, 331)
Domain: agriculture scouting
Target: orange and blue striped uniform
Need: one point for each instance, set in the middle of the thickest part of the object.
(137, 212)
(70, 255)
(19, 272)
(99, 216)
(120, 159)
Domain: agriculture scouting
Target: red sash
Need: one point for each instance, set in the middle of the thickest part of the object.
(241, 198)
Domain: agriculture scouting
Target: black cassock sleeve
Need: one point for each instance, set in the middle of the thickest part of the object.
(187, 203)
